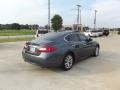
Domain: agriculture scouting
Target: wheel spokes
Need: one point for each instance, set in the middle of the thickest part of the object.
(68, 62)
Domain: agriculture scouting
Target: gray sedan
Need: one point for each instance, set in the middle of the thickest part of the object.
(59, 49)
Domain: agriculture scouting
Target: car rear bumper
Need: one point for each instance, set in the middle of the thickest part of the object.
(42, 60)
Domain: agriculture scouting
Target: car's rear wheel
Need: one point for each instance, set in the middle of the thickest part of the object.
(67, 62)
(96, 53)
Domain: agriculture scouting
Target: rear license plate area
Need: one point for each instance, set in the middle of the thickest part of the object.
(32, 49)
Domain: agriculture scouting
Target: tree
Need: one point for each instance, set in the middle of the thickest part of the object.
(47, 27)
(16, 26)
(26, 26)
(0, 27)
(68, 28)
(57, 22)
(118, 31)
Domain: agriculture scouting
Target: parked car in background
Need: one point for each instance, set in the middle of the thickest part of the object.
(40, 32)
(100, 32)
(91, 33)
(119, 32)
(105, 32)
(60, 49)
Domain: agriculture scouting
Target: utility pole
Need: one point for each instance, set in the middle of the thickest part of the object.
(78, 17)
(95, 19)
(81, 28)
(49, 11)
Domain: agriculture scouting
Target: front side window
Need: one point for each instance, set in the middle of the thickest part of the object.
(82, 37)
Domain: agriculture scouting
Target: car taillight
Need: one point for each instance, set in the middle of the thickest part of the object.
(46, 49)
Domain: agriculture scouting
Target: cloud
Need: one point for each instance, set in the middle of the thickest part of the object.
(36, 11)
(23, 11)
(108, 13)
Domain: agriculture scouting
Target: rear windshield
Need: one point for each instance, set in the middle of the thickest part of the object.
(48, 37)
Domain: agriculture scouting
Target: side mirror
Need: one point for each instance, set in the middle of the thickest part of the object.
(89, 39)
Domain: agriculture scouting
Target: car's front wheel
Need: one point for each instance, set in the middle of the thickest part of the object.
(96, 53)
(67, 62)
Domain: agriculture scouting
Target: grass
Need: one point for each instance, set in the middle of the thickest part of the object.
(16, 39)
(16, 32)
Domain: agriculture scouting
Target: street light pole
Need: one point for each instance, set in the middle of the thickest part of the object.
(79, 17)
(49, 25)
(81, 20)
(95, 19)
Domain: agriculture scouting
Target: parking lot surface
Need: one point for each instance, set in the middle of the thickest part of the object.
(95, 73)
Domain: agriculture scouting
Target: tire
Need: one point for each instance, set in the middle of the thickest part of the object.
(96, 52)
(88, 35)
(67, 62)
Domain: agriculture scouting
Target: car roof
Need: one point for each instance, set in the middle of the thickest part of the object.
(57, 34)
(54, 36)
(63, 33)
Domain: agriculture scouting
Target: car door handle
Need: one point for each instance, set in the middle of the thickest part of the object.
(73, 45)
(84, 44)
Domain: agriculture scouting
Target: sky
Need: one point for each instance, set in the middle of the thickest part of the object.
(36, 12)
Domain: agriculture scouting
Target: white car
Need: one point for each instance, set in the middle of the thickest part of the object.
(100, 32)
(40, 33)
(94, 33)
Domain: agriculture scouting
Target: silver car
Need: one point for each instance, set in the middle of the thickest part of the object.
(60, 49)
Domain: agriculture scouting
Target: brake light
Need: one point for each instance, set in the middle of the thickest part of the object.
(47, 49)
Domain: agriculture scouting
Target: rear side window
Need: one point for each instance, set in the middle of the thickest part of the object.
(48, 37)
(67, 38)
(72, 37)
